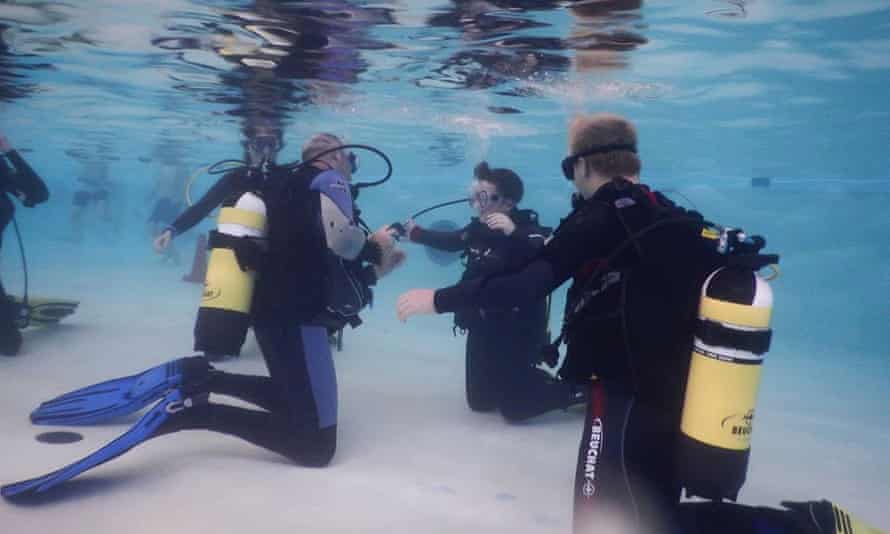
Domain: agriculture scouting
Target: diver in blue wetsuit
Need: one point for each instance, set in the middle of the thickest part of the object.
(19, 180)
(314, 249)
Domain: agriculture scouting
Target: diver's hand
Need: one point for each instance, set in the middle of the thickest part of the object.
(4, 144)
(390, 261)
(384, 238)
(415, 302)
(410, 225)
(163, 241)
(502, 222)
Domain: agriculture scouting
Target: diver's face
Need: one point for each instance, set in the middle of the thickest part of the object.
(486, 199)
(345, 162)
(262, 148)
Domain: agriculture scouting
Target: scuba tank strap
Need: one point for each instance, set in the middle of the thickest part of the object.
(248, 250)
(628, 232)
(357, 213)
(547, 313)
(588, 289)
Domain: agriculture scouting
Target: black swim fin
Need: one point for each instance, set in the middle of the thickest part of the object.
(825, 517)
(42, 311)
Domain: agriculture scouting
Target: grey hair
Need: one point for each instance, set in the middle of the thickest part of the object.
(319, 143)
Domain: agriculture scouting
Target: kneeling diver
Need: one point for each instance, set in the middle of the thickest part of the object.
(311, 230)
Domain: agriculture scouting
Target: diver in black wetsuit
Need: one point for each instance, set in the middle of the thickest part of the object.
(21, 181)
(633, 309)
(261, 148)
(503, 344)
(293, 55)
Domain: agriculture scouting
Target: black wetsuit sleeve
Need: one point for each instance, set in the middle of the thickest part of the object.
(583, 240)
(531, 234)
(586, 238)
(23, 182)
(531, 284)
(526, 241)
(450, 241)
(221, 190)
(5, 173)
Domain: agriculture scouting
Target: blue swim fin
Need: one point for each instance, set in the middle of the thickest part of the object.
(121, 396)
(147, 427)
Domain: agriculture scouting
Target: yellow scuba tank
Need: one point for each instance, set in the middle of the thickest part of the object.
(731, 339)
(224, 315)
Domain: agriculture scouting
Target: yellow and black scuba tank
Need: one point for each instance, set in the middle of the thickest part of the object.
(224, 315)
(730, 341)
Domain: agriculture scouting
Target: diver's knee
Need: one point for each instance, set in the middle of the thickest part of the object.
(514, 414)
(318, 458)
(315, 450)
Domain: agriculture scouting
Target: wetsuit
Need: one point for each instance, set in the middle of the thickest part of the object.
(19, 180)
(635, 336)
(232, 182)
(503, 343)
(292, 309)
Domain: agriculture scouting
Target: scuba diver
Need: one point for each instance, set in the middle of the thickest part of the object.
(262, 145)
(640, 265)
(18, 179)
(503, 344)
(261, 148)
(312, 246)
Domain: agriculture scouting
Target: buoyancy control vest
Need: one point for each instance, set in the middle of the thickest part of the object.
(299, 280)
(489, 252)
(629, 316)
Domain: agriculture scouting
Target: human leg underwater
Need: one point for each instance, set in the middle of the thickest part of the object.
(480, 385)
(625, 480)
(624, 476)
(10, 337)
(300, 395)
(511, 344)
